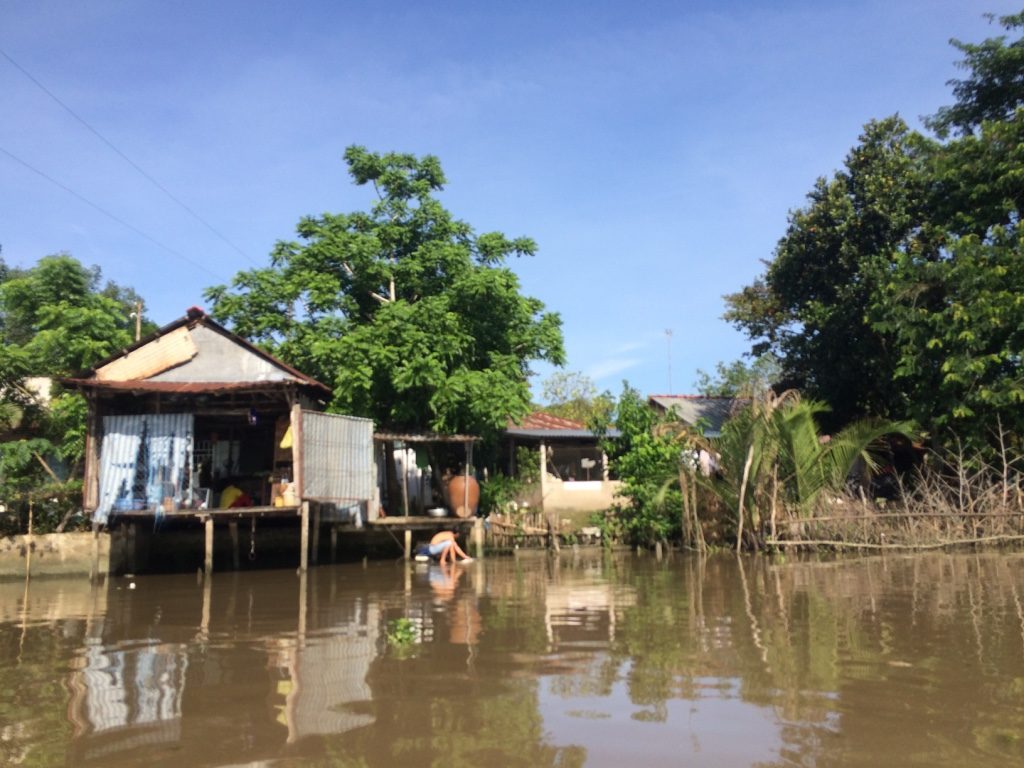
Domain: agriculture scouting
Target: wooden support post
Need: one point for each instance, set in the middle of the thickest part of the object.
(408, 543)
(478, 537)
(316, 534)
(94, 568)
(204, 622)
(233, 529)
(304, 554)
(334, 543)
(303, 599)
(208, 560)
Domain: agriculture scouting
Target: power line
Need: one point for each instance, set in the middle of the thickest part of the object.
(110, 215)
(127, 159)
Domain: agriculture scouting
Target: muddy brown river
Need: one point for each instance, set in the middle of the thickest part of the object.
(588, 659)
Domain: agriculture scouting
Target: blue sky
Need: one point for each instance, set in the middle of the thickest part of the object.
(652, 150)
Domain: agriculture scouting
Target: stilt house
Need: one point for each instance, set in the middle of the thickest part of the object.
(195, 421)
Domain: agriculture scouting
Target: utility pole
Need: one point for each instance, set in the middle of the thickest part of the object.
(668, 334)
(138, 321)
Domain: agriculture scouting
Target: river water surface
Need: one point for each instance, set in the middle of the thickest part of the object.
(589, 659)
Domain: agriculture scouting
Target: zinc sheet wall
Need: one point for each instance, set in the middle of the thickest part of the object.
(164, 459)
(337, 458)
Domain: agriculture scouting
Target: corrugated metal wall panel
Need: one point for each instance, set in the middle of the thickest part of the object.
(167, 455)
(337, 458)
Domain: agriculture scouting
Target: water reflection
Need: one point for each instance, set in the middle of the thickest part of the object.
(587, 659)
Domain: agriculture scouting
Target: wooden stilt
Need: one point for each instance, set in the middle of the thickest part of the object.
(316, 534)
(94, 568)
(233, 529)
(208, 560)
(478, 537)
(303, 600)
(334, 543)
(304, 555)
(408, 544)
(204, 622)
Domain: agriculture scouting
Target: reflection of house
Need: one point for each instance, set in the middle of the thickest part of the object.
(581, 611)
(574, 469)
(707, 413)
(127, 699)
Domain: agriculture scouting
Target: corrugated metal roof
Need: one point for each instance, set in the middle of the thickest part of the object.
(182, 387)
(712, 412)
(558, 434)
(194, 319)
(545, 425)
(424, 437)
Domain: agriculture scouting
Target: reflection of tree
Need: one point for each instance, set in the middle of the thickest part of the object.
(899, 657)
(33, 701)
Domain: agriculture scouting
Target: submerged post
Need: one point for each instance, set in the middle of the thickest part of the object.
(478, 537)
(316, 534)
(408, 543)
(208, 560)
(304, 554)
(233, 529)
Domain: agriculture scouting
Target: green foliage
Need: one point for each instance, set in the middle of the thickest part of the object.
(56, 317)
(401, 632)
(645, 461)
(895, 292)
(810, 308)
(739, 378)
(572, 395)
(772, 456)
(498, 493)
(995, 87)
(410, 316)
(527, 465)
(55, 320)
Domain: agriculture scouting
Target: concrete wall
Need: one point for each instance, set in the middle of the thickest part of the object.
(579, 495)
(53, 554)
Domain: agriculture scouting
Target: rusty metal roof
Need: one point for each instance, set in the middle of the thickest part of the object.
(424, 437)
(181, 387)
(540, 424)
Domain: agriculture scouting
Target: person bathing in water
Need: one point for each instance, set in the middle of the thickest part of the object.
(445, 548)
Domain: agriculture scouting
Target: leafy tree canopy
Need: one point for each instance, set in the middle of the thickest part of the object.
(739, 378)
(994, 87)
(56, 318)
(572, 395)
(896, 291)
(412, 317)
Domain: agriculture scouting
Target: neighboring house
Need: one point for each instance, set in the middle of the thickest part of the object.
(193, 409)
(574, 470)
(706, 413)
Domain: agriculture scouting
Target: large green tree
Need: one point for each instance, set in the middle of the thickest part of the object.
(412, 317)
(56, 318)
(810, 308)
(896, 291)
